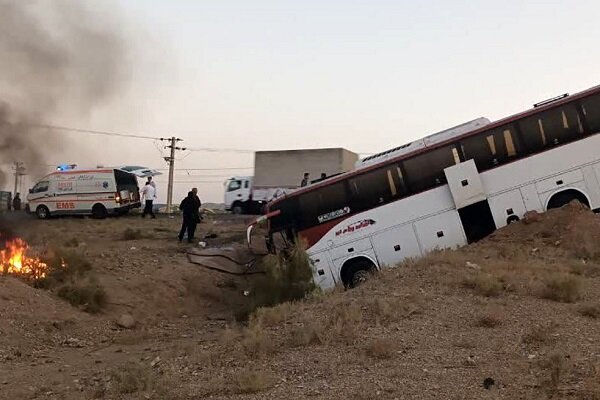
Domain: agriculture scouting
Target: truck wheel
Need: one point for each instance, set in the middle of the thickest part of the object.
(237, 208)
(42, 212)
(99, 211)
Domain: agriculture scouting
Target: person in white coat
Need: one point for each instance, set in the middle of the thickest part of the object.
(148, 194)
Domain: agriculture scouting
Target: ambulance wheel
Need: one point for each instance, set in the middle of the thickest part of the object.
(42, 212)
(99, 211)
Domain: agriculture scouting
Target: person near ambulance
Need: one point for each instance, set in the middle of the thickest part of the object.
(148, 194)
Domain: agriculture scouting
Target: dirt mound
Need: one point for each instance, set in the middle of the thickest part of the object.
(32, 315)
(572, 230)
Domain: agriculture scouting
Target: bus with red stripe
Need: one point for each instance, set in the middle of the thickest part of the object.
(445, 190)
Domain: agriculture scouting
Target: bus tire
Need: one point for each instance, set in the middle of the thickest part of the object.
(99, 211)
(237, 208)
(42, 212)
(563, 198)
(357, 271)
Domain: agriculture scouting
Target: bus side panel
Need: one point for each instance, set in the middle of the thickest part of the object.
(323, 274)
(441, 231)
(396, 244)
(531, 199)
(505, 205)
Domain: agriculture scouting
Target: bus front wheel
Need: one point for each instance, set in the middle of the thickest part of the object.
(356, 272)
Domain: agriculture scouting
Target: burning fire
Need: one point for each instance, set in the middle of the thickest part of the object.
(14, 260)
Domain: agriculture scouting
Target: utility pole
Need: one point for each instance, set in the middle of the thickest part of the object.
(171, 160)
(19, 172)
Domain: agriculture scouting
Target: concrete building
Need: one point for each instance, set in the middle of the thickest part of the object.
(286, 168)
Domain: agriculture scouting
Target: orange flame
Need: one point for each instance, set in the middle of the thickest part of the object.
(14, 260)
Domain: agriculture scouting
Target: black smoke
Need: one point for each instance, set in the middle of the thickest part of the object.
(57, 58)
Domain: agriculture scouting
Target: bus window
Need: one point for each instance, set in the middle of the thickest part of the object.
(556, 126)
(286, 220)
(427, 170)
(323, 204)
(376, 187)
(591, 110)
(492, 148)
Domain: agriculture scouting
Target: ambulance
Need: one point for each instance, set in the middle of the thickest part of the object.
(97, 192)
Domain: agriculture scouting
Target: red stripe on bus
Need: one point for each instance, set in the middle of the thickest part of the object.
(313, 234)
(67, 201)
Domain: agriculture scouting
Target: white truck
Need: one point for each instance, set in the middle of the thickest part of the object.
(279, 172)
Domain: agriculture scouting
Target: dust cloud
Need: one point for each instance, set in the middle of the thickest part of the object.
(58, 59)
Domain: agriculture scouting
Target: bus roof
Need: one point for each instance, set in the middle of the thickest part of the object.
(539, 107)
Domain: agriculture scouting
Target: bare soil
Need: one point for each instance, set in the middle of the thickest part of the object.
(515, 316)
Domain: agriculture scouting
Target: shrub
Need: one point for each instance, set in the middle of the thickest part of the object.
(490, 320)
(132, 234)
(590, 310)
(381, 348)
(484, 285)
(70, 277)
(562, 288)
(252, 381)
(286, 278)
(87, 295)
(130, 378)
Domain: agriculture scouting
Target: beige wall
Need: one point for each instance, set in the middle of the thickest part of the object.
(286, 168)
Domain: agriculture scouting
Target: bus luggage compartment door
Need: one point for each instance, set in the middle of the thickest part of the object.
(471, 200)
(322, 271)
(465, 184)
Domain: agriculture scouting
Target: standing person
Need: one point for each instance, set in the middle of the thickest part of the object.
(189, 211)
(148, 194)
(198, 204)
(305, 180)
(16, 204)
(150, 181)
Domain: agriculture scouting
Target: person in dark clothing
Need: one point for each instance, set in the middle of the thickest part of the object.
(16, 203)
(198, 204)
(305, 180)
(190, 214)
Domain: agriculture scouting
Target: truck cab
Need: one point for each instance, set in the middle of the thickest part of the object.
(238, 194)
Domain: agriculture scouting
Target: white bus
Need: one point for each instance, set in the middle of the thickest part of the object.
(445, 190)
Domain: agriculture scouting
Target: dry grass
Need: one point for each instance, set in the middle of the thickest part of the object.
(252, 381)
(554, 366)
(484, 285)
(381, 348)
(562, 288)
(132, 234)
(539, 334)
(590, 310)
(488, 320)
(129, 378)
(256, 342)
(70, 277)
(306, 334)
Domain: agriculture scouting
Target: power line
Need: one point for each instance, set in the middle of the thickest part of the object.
(221, 150)
(93, 132)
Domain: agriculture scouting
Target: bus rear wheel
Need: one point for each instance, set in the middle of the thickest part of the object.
(99, 211)
(42, 212)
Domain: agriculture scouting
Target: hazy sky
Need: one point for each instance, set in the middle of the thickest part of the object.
(364, 75)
